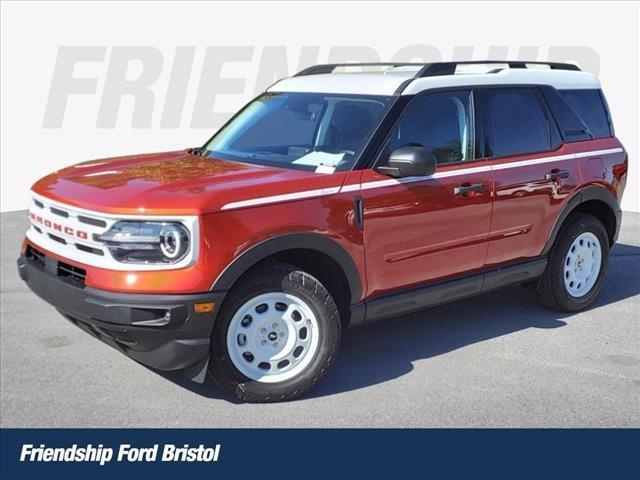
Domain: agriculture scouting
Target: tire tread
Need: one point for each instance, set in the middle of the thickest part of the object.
(550, 288)
(307, 282)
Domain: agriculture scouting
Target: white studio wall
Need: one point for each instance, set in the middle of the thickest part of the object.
(88, 80)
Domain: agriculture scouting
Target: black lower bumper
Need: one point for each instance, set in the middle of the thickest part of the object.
(161, 331)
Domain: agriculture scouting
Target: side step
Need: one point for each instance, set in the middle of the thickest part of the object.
(409, 301)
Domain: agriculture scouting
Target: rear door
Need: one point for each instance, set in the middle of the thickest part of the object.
(533, 171)
(421, 229)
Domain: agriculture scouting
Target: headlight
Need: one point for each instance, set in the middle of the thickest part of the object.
(146, 242)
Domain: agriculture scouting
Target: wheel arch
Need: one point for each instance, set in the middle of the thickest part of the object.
(299, 249)
(595, 200)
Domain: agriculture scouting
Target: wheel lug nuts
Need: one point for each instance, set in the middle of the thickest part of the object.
(263, 330)
(275, 344)
(263, 342)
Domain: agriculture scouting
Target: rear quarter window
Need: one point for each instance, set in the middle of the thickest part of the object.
(590, 107)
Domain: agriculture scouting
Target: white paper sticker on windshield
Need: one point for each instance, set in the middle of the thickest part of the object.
(325, 169)
(320, 158)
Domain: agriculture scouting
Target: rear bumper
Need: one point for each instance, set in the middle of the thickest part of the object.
(160, 331)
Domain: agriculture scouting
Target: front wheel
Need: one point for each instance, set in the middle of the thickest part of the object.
(276, 336)
(577, 264)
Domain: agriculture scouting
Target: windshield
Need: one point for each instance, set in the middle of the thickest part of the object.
(309, 131)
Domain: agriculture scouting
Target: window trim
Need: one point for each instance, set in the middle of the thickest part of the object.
(605, 104)
(377, 157)
(369, 154)
(488, 130)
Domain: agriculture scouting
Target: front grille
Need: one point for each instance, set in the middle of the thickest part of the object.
(96, 222)
(57, 239)
(70, 273)
(64, 271)
(36, 256)
(84, 248)
(59, 212)
(71, 230)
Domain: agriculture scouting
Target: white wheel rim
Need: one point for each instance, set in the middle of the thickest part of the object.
(273, 337)
(582, 264)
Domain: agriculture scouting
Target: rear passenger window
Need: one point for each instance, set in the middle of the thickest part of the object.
(441, 122)
(518, 124)
(589, 106)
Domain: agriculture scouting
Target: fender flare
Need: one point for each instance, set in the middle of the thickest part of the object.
(292, 241)
(589, 193)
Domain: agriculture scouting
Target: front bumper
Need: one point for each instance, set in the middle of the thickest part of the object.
(160, 331)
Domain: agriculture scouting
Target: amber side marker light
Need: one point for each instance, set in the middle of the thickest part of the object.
(204, 307)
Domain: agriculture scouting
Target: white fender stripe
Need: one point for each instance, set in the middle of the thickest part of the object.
(321, 192)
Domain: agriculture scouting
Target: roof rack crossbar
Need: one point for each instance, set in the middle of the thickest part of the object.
(436, 68)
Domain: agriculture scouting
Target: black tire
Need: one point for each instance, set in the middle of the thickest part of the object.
(551, 287)
(276, 278)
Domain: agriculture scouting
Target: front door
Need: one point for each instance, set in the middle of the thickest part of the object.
(421, 229)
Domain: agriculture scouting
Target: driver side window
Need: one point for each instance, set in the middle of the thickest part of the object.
(442, 122)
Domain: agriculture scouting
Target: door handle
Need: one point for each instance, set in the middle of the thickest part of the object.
(556, 174)
(465, 188)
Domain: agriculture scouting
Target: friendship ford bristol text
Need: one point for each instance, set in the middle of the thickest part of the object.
(126, 453)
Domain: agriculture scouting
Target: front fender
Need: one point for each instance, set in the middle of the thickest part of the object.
(291, 241)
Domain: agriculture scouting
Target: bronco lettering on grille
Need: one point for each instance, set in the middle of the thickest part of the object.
(59, 227)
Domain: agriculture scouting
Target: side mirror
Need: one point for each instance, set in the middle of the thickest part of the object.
(409, 161)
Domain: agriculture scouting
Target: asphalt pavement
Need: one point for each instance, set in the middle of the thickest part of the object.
(497, 360)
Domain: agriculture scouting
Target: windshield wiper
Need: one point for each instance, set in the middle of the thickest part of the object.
(200, 151)
(264, 154)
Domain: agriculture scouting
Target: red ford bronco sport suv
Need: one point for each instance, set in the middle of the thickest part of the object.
(335, 198)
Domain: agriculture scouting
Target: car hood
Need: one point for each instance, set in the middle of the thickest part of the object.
(172, 183)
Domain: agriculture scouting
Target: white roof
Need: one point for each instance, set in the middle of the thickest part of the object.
(350, 83)
(388, 82)
(560, 79)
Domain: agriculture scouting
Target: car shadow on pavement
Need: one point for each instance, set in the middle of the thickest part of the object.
(382, 351)
(207, 389)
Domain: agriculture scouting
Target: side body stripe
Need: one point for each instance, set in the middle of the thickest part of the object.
(397, 181)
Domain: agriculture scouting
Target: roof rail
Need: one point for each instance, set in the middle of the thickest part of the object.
(330, 67)
(449, 68)
(434, 69)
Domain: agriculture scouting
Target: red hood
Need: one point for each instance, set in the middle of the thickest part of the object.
(172, 183)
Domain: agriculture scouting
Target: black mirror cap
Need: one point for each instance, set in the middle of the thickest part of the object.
(409, 161)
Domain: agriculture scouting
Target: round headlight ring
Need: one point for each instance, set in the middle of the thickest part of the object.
(171, 242)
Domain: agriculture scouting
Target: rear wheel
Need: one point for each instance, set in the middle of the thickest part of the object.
(577, 264)
(276, 336)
